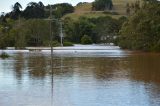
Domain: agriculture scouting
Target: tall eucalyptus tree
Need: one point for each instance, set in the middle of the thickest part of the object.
(16, 12)
(34, 10)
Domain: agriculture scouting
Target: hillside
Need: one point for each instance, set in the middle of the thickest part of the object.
(120, 5)
(119, 9)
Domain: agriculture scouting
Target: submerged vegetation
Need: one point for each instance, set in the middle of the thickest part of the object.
(4, 55)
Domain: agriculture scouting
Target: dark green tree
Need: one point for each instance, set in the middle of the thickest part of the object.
(142, 30)
(106, 29)
(75, 30)
(16, 12)
(34, 10)
(61, 9)
(128, 9)
(102, 5)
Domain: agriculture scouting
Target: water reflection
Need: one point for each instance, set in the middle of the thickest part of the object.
(75, 81)
(37, 66)
(145, 68)
(107, 68)
(19, 65)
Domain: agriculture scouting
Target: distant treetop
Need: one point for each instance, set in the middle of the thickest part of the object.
(101, 5)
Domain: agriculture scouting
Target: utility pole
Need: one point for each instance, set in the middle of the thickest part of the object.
(61, 28)
(51, 45)
(51, 38)
(50, 19)
(61, 33)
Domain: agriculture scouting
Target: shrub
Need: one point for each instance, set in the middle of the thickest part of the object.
(86, 40)
(66, 43)
(55, 43)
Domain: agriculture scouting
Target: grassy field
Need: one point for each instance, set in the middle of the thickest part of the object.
(119, 6)
(75, 16)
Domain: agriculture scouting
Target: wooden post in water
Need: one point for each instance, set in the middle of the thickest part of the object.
(51, 38)
(51, 45)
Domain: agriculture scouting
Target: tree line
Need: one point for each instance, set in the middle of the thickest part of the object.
(30, 27)
(142, 30)
(98, 30)
(138, 31)
(101, 5)
(35, 32)
(38, 10)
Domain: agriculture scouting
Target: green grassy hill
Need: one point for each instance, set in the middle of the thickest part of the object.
(120, 5)
(119, 9)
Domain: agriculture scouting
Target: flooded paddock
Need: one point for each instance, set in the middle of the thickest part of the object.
(111, 77)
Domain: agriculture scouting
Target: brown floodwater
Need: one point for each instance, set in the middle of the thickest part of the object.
(110, 79)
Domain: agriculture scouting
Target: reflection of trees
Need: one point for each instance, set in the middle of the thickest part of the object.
(101, 68)
(37, 66)
(63, 66)
(19, 65)
(145, 68)
(106, 68)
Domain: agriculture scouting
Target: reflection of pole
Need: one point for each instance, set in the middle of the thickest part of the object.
(51, 54)
(52, 81)
(61, 64)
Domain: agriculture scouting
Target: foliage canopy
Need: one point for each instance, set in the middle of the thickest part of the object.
(142, 30)
(102, 5)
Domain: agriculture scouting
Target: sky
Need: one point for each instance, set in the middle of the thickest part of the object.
(6, 5)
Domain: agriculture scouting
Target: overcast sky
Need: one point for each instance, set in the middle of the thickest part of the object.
(6, 5)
